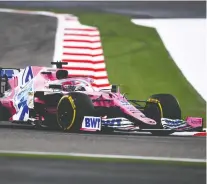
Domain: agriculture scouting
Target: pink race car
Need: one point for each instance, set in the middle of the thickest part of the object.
(50, 97)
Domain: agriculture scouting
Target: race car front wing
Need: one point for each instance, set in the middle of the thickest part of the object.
(91, 123)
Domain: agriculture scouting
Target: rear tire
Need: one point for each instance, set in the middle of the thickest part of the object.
(71, 110)
(1, 113)
(4, 114)
(162, 106)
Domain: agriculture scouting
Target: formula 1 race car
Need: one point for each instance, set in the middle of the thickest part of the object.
(50, 97)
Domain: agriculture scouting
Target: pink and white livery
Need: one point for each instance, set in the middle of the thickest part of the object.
(50, 97)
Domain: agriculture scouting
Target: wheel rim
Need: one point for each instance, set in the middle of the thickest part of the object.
(65, 113)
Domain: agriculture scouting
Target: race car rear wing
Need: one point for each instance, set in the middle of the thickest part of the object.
(5, 75)
(59, 64)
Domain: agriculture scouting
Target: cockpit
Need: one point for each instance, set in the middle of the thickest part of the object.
(73, 84)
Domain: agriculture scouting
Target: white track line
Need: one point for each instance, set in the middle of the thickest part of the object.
(104, 156)
(184, 134)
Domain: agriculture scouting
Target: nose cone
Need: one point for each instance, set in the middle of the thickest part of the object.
(149, 121)
(144, 119)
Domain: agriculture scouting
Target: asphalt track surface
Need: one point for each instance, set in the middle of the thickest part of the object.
(29, 40)
(25, 138)
(26, 40)
(159, 9)
(33, 171)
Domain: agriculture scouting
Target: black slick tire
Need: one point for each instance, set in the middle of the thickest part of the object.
(4, 114)
(71, 110)
(1, 113)
(162, 106)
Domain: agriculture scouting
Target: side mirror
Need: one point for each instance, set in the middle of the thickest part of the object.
(114, 88)
(125, 95)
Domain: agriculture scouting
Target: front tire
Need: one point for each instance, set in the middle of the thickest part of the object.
(162, 106)
(71, 110)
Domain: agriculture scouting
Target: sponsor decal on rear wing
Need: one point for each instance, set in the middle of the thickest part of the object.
(9, 72)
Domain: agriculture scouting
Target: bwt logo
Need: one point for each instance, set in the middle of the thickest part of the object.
(91, 123)
(112, 122)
